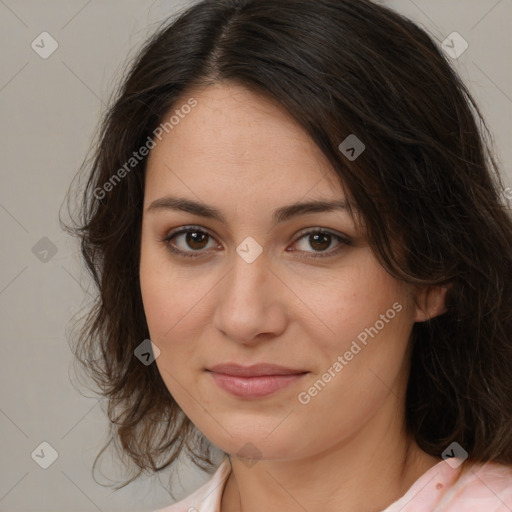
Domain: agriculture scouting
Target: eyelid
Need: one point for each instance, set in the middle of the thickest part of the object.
(313, 230)
(166, 239)
(342, 238)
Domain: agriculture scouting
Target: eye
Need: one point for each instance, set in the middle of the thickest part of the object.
(320, 240)
(189, 242)
(193, 241)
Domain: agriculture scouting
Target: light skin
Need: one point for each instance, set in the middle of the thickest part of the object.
(243, 155)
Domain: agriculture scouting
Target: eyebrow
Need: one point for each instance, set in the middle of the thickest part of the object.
(280, 215)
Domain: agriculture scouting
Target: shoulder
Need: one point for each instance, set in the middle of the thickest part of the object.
(206, 498)
(481, 487)
(470, 487)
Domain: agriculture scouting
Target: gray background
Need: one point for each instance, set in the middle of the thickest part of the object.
(49, 114)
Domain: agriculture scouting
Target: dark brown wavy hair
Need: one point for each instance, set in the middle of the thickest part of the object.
(427, 186)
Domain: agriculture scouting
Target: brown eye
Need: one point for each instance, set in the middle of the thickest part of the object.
(194, 242)
(320, 241)
(189, 242)
(196, 239)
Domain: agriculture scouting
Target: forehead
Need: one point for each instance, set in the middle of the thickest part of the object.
(236, 140)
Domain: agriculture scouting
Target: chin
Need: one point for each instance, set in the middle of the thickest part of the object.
(256, 445)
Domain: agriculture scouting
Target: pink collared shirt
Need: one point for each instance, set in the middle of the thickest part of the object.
(443, 488)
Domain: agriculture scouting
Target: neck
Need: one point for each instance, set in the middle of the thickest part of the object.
(365, 473)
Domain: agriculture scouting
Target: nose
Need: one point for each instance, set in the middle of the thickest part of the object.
(250, 302)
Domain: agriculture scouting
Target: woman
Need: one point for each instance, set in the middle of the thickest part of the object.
(293, 201)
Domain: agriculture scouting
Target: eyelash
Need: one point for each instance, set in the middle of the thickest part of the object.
(197, 254)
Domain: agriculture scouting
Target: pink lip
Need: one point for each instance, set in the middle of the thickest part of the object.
(254, 381)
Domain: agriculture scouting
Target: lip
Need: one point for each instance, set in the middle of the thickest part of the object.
(255, 370)
(254, 381)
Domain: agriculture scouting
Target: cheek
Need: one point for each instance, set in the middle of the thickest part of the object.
(176, 309)
(156, 302)
(364, 368)
(174, 323)
(172, 320)
(351, 302)
(167, 294)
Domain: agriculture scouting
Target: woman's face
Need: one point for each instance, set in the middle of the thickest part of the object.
(256, 285)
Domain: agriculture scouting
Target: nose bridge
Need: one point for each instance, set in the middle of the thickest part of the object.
(248, 277)
(247, 306)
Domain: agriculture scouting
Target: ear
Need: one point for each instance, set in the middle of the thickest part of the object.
(430, 302)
